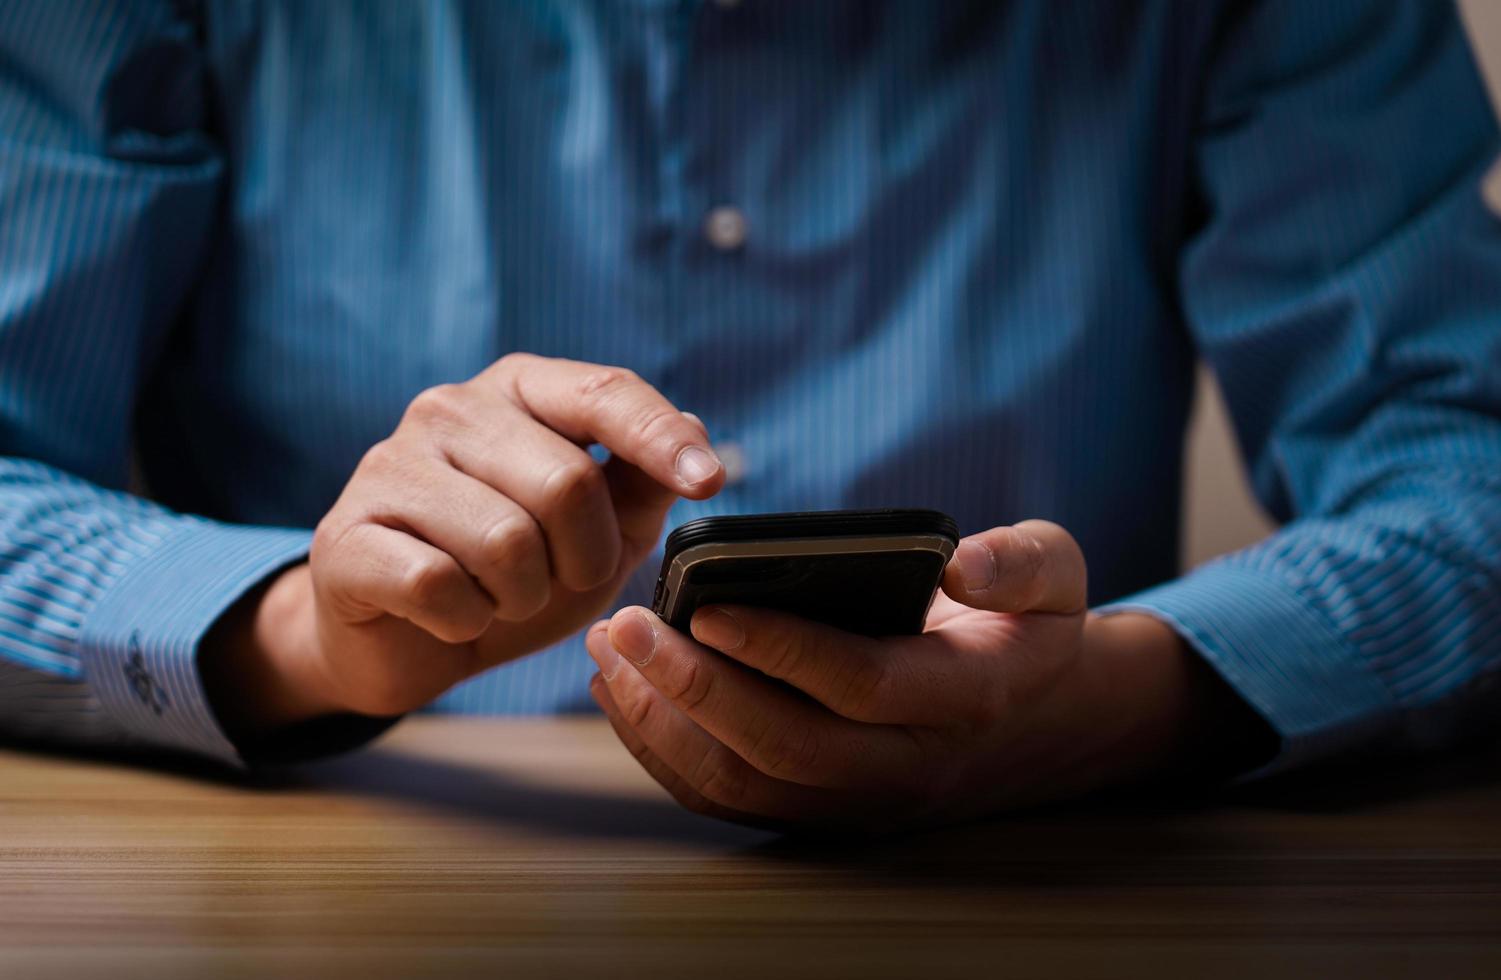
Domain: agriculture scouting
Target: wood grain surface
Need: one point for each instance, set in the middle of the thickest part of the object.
(464, 847)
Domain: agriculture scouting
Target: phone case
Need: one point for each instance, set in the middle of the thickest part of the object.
(866, 571)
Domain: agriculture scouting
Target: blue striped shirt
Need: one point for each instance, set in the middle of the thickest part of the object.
(958, 255)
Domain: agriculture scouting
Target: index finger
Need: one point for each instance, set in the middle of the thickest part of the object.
(616, 408)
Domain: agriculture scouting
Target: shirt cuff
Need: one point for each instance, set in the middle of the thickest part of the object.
(139, 645)
(1281, 656)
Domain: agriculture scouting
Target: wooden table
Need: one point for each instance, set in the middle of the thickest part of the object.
(516, 848)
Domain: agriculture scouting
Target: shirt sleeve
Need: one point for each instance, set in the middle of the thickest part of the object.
(1344, 284)
(108, 191)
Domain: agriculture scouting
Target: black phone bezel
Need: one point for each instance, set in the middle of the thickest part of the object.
(870, 522)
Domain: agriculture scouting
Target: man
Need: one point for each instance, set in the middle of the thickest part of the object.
(391, 270)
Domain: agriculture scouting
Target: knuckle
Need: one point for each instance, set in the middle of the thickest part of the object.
(604, 382)
(1035, 558)
(510, 543)
(519, 360)
(576, 484)
(337, 542)
(653, 422)
(1043, 529)
(640, 710)
(460, 630)
(438, 404)
(789, 753)
(719, 779)
(425, 580)
(868, 688)
(329, 533)
(514, 549)
(1023, 562)
(382, 457)
(1029, 552)
(690, 684)
(783, 651)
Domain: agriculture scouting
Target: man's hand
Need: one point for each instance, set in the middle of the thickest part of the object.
(481, 530)
(1014, 694)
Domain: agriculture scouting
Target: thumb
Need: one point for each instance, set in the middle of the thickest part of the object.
(1034, 566)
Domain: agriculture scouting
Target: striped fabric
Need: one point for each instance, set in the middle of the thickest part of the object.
(961, 255)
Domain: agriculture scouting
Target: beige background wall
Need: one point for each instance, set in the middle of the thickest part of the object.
(1219, 513)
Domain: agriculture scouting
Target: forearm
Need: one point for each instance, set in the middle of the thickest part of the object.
(1379, 622)
(1359, 359)
(105, 598)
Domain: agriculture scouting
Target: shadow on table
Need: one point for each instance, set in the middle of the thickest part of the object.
(468, 790)
(1373, 781)
(1228, 837)
(192, 767)
(489, 795)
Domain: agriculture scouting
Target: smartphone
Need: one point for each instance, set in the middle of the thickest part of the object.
(866, 571)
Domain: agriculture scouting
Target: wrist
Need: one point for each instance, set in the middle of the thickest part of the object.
(1179, 717)
(260, 663)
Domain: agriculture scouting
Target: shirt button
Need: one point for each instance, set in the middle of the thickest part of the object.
(733, 458)
(724, 227)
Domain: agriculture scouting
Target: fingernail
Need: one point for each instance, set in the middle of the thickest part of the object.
(976, 565)
(718, 629)
(695, 465)
(598, 645)
(635, 637)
